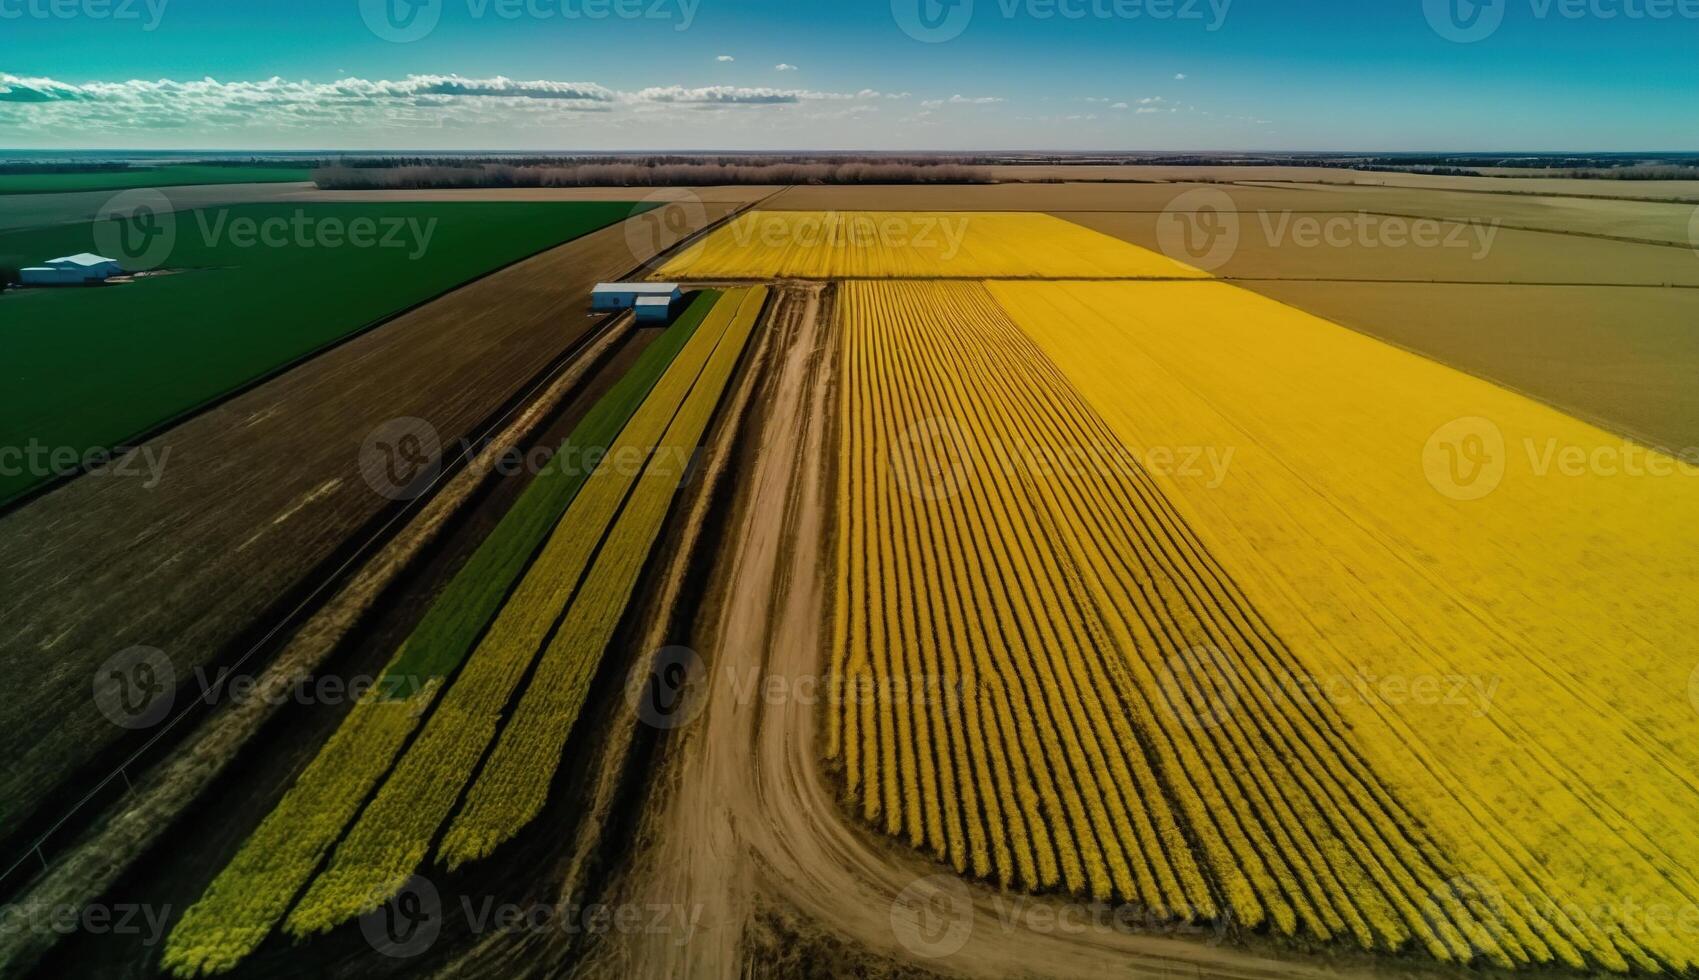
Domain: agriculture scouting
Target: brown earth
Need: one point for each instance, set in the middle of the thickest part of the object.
(1621, 358)
(1657, 190)
(1011, 197)
(739, 194)
(261, 497)
(159, 847)
(1351, 246)
(1647, 221)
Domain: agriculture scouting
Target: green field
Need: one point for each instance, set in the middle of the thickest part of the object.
(169, 176)
(464, 609)
(87, 369)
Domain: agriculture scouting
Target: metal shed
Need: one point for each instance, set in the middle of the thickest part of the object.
(71, 270)
(612, 296)
(654, 309)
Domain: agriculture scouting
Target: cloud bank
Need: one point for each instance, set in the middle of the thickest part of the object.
(417, 101)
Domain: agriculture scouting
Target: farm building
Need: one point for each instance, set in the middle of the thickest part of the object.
(71, 270)
(653, 309)
(611, 296)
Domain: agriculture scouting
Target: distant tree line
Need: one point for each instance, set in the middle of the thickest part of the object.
(633, 173)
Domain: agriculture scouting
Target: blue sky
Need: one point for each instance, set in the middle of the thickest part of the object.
(1002, 74)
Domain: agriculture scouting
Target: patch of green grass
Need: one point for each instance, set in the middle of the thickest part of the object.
(87, 368)
(177, 175)
(460, 614)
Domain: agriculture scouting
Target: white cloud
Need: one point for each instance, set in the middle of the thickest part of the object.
(414, 103)
(982, 100)
(781, 66)
(1180, 77)
(725, 59)
(1119, 105)
(1152, 100)
(1147, 110)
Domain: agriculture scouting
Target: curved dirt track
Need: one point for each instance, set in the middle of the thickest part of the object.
(748, 818)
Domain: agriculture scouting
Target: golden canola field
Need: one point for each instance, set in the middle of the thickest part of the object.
(893, 244)
(1165, 592)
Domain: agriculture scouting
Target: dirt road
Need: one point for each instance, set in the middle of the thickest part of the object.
(745, 816)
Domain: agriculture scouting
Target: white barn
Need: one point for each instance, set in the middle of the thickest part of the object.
(71, 270)
(608, 297)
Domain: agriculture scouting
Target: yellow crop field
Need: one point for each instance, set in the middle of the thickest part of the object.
(1171, 594)
(394, 833)
(623, 501)
(896, 244)
(252, 893)
(513, 785)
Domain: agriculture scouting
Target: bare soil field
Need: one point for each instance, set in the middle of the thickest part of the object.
(1621, 358)
(708, 195)
(1357, 247)
(1665, 190)
(261, 498)
(1017, 197)
(1630, 220)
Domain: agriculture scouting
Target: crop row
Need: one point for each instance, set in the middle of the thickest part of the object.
(1513, 632)
(1046, 679)
(393, 835)
(245, 901)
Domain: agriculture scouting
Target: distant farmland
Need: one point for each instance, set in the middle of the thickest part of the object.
(90, 368)
(172, 176)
